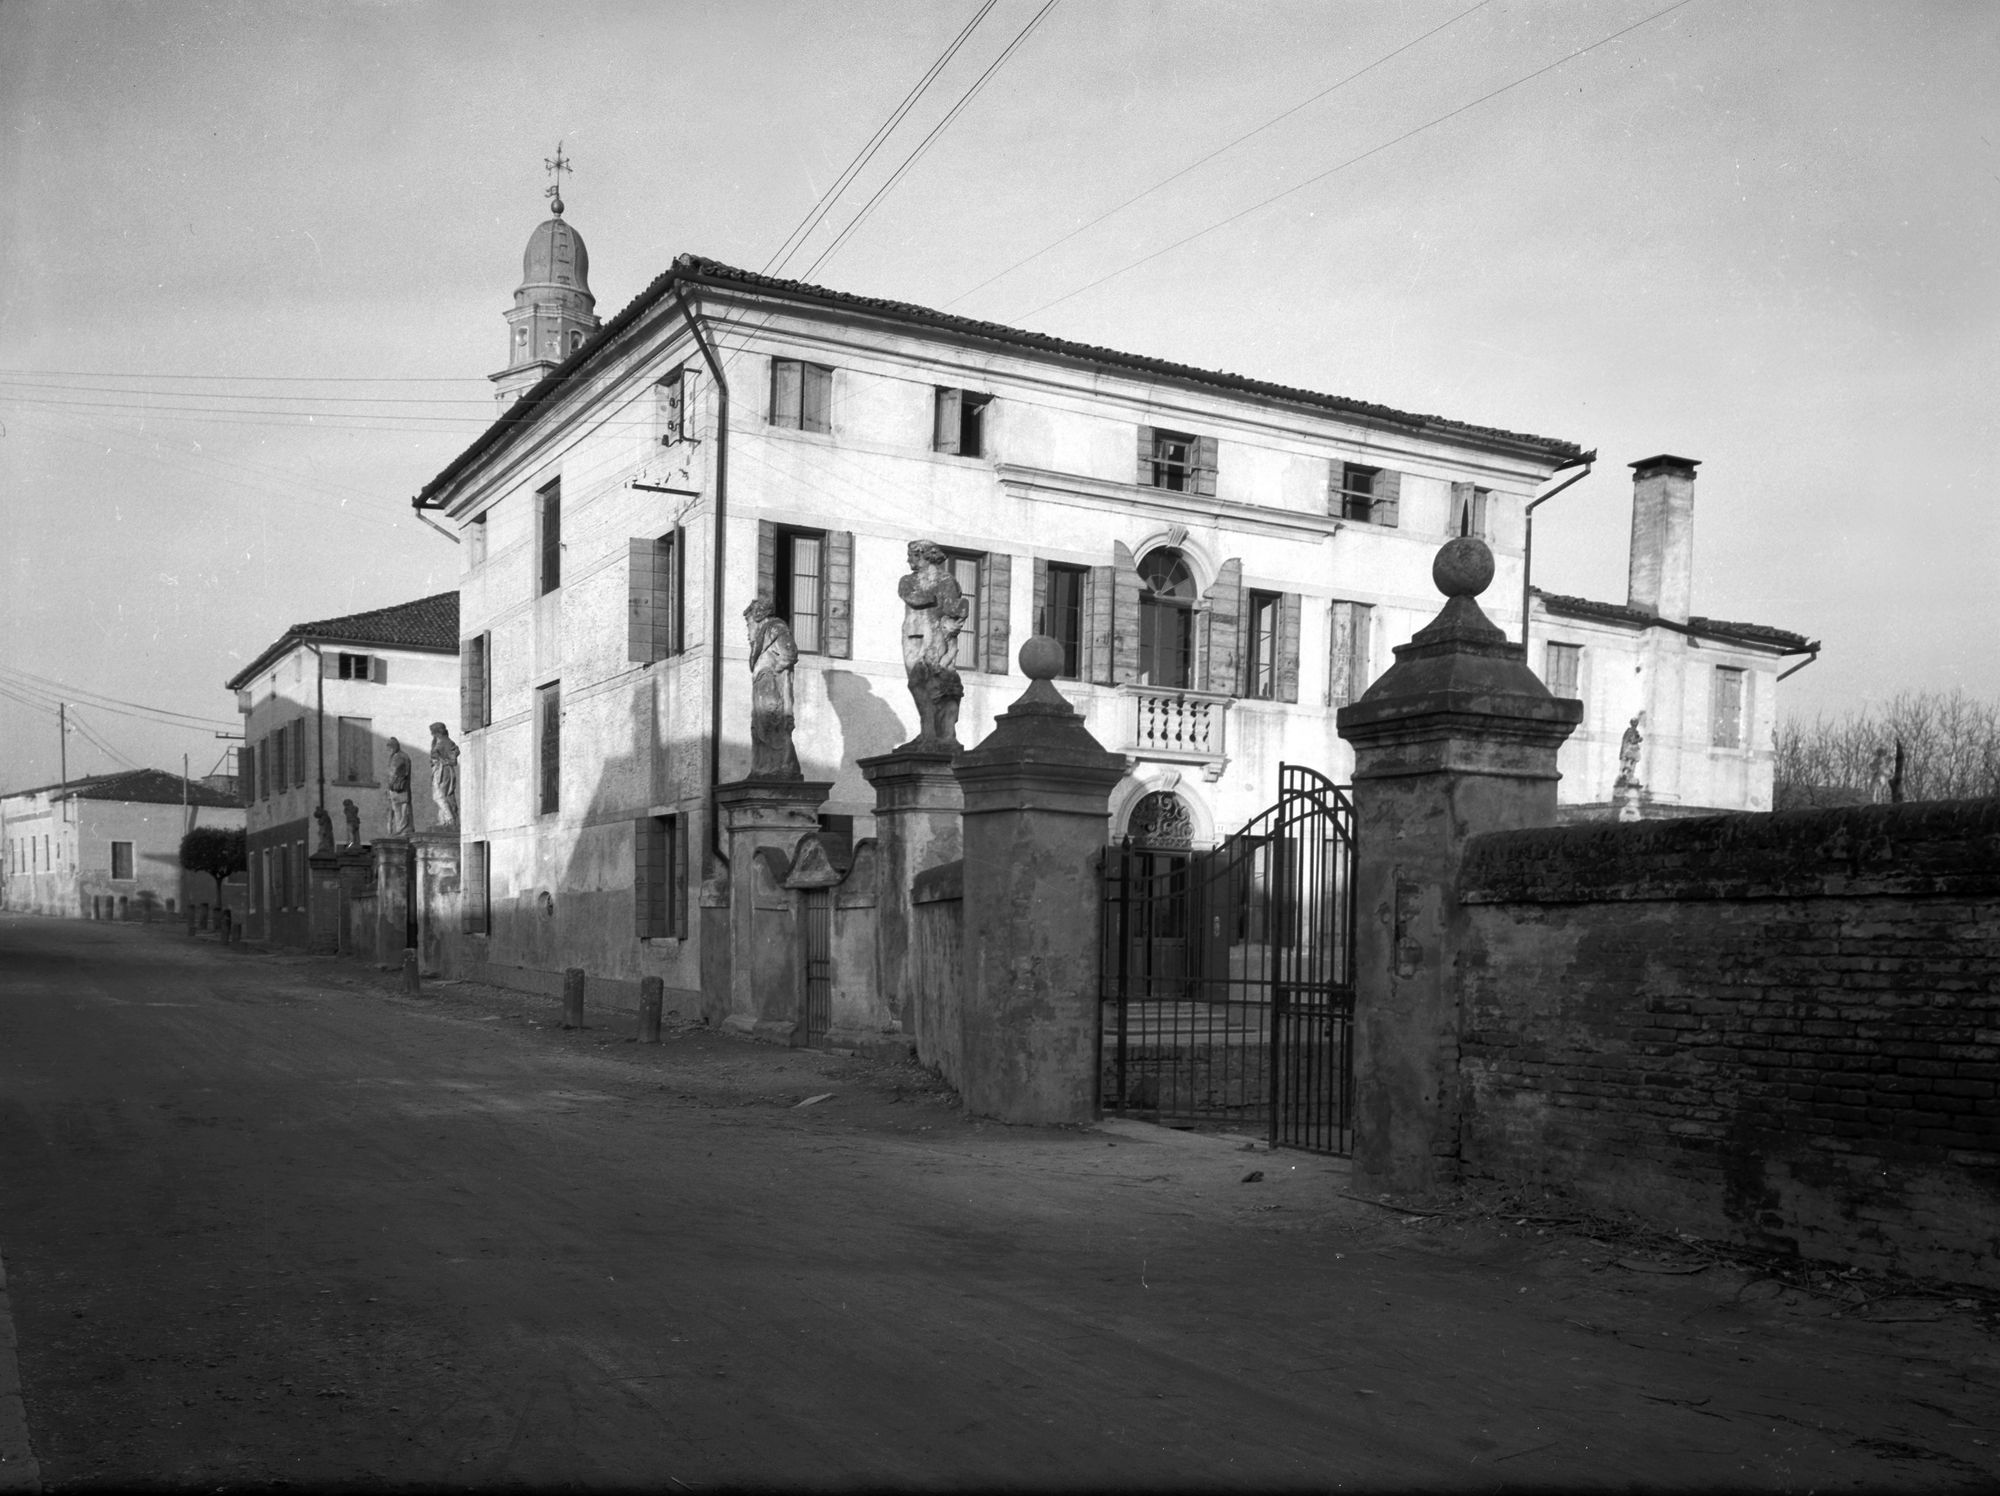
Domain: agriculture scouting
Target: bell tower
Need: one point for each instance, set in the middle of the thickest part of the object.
(553, 313)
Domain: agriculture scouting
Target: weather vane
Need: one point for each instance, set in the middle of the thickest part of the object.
(556, 166)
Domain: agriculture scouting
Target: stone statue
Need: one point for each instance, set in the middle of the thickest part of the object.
(399, 791)
(1628, 754)
(324, 823)
(351, 813)
(934, 612)
(772, 656)
(444, 774)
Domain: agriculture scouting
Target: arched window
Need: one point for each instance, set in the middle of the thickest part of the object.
(1166, 619)
(575, 339)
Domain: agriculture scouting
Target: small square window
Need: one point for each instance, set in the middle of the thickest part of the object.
(960, 423)
(1173, 460)
(1357, 491)
(1565, 663)
(356, 666)
(801, 395)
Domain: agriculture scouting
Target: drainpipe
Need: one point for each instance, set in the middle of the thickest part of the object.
(1528, 542)
(716, 847)
(1812, 653)
(319, 728)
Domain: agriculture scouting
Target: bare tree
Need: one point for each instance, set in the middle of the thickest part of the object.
(1919, 745)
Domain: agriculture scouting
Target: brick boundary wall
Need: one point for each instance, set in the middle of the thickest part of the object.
(1781, 1029)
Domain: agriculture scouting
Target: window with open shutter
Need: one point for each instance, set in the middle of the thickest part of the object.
(1204, 465)
(475, 708)
(1388, 508)
(1468, 510)
(1727, 715)
(1349, 668)
(1059, 605)
(968, 569)
(840, 593)
(1287, 682)
(548, 702)
(944, 424)
(549, 509)
(1260, 646)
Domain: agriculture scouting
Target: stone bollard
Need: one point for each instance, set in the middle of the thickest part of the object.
(410, 982)
(652, 994)
(573, 997)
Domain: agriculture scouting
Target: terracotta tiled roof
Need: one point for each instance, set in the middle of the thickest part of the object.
(1782, 640)
(429, 623)
(694, 270)
(135, 786)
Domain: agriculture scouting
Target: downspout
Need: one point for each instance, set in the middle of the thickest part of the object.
(319, 729)
(1812, 653)
(1528, 544)
(716, 848)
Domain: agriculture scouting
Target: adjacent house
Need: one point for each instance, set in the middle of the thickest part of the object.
(1680, 711)
(107, 846)
(320, 704)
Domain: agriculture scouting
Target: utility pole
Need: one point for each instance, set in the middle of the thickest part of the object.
(185, 827)
(62, 751)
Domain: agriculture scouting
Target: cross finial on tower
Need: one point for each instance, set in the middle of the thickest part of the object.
(555, 165)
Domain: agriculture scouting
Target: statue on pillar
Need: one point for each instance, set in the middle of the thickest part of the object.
(1628, 754)
(351, 813)
(444, 774)
(324, 824)
(934, 613)
(772, 657)
(399, 791)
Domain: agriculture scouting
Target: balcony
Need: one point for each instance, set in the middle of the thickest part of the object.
(1179, 726)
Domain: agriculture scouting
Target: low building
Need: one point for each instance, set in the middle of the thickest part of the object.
(107, 846)
(1680, 711)
(320, 705)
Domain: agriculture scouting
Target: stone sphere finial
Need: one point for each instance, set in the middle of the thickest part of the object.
(1463, 568)
(1041, 658)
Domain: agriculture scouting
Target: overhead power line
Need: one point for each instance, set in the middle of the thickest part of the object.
(12, 382)
(253, 378)
(42, 685)
(1353, 160)
(925, 144)
(1168, 181)
(874, 143)
(152, 408)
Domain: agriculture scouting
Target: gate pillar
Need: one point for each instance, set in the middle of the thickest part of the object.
(1457, 738)
(765, 816)
(917, 814)
(1037, 793)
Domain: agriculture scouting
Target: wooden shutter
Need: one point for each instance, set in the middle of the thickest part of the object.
(996, 581)
(677, 610)
(648, 879)
(816, 413)
(945, 427)
(767, 560)
(1388, 499)
(473, 889)
(1124, 614)
(1222, 626)
(1145, 478)
(677, 877)
(1461, 505)
(1039, 573)
(1204, 465)
(838, 590)
(472, 708)
(1097, 626)
(551, 754)
(642, 585)
(1285, 686)
(785, 392)
(329, 664)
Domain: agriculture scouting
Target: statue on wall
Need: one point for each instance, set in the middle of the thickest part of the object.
(1628, 754)
(444, 774)
(399, 791)
(934, 613)
(772, 656)
(351, 813)
(324, 823)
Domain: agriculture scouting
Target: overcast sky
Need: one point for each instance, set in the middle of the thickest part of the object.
(256, 256)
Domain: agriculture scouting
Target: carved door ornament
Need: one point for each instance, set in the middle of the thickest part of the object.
(1161, 819)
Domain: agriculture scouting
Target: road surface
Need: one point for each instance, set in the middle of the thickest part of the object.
(265, 1220)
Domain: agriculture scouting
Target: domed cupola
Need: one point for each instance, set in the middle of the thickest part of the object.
(553, 312)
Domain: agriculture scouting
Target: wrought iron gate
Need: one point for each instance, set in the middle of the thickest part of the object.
(1227, 991)
(815, 965)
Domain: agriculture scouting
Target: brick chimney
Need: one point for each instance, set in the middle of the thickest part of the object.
(1662, 575)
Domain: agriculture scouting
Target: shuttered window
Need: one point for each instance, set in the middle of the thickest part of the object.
(1370, 495)
(1564, 670)
(477, 888)
(1176, 460)
(548, 709)
(959, 423)
(1727, 715)
(475, 682)
(809, 577)
(659, 878)
(297, 752)
(1260, 652)
(356, 751)
(801, 395)
(1060, 610)
(1468, 510)
(121, 861)
(548, 508)
(1349, 666)
(656, 577)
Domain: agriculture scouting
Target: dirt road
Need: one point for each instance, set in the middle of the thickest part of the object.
(264, 1220)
